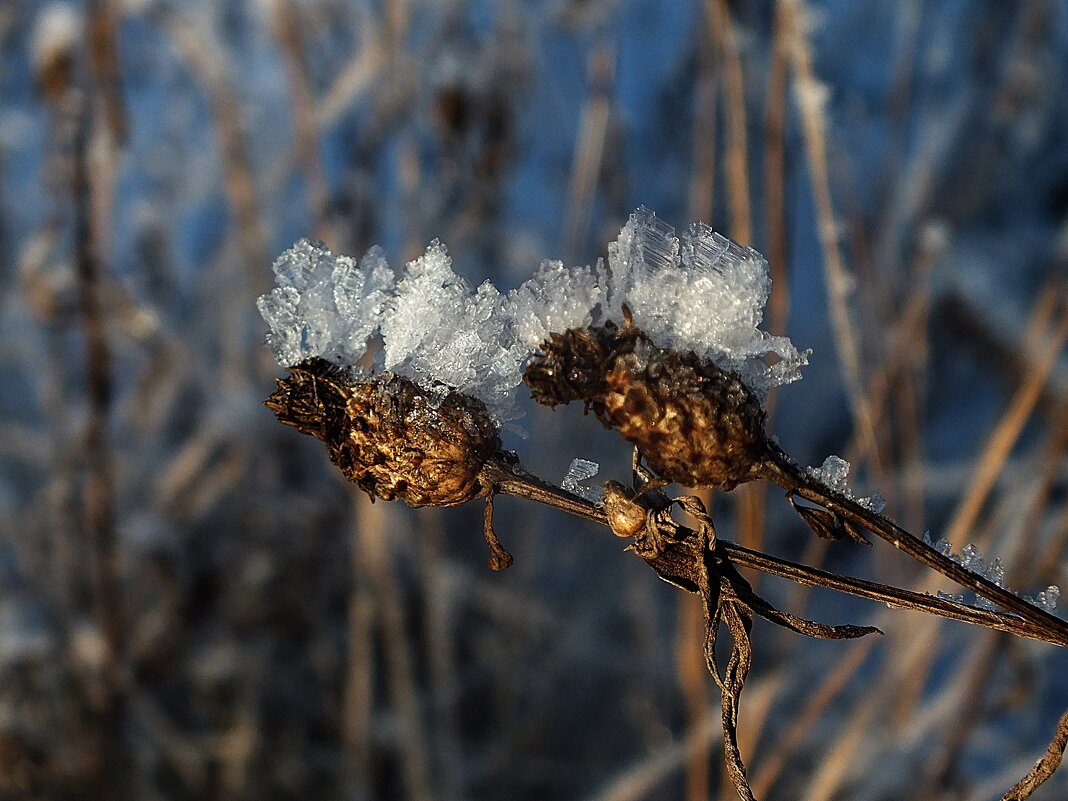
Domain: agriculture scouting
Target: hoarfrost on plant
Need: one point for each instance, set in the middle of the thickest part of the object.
(437, 331)
(971, 558)
(324, 305)
(834, 473)
(701, 292)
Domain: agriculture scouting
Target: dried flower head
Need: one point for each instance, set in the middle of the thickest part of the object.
(693, 422)
(388, 434)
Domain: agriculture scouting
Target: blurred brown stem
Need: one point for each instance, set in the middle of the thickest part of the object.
(99, 487)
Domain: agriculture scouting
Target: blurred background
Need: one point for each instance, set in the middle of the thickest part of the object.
(193, 603)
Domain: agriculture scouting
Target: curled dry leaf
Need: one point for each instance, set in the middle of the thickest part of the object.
(728, 599)
(825, 523)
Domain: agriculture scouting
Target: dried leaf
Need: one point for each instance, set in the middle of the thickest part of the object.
(827, 524)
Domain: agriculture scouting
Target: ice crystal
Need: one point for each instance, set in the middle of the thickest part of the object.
(437, 331)
(703, 293)
(555, 298)
(1046, 599)
(834, 473)
(582, 470)
(324, 305)
(971, 558)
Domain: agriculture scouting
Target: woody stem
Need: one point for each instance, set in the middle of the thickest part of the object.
(779, 469)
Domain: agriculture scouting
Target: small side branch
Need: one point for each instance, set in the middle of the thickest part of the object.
(778, 468)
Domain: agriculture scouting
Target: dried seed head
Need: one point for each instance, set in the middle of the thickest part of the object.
(389, 435)
(693, 422)
(571, 365)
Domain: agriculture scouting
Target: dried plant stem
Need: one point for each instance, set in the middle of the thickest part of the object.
(588, 159)
(782, 471)
(104, 64)
(1045, 767)
(737, 151)
(99, 486)
(1004, 437)
(640, 781)
(781, 751)
(675, 566)
(287, 28)
(810, 95)
(206, 59)
(358, 694)
(775, 187)
(444, 672)
(373, 548)
(892, 596)
(693, 681)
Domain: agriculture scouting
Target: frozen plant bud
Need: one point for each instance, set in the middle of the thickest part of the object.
(388, 434)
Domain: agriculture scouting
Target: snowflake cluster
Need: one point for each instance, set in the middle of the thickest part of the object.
(703, 293)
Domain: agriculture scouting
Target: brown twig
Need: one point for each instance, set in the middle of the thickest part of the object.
(677, 567)
(782, 471)
(1045, 767)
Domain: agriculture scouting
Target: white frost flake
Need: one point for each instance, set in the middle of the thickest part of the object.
(703, 293)
(436, 330)
(582, 470)
(555, 298)
(834, 473)
(324, 305)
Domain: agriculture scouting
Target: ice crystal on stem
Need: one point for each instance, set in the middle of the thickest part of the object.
(582, 470)
(834, 473)
(971, 558)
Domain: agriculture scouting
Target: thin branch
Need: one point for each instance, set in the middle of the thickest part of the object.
(781, 470)
(1045, 767)
(676, 565)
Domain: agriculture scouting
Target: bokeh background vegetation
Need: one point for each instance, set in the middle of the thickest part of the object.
(194, 605)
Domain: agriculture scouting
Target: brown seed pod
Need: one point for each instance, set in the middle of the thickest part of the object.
(693, 422)
(387, 433)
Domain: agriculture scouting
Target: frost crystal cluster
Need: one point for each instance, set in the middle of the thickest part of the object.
(833, 473)
(701, 292)
(971, 558)
(324, 305)
(704, 293)
(582, 470)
